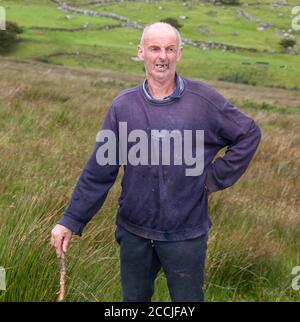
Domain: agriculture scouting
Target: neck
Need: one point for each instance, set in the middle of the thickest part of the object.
(160, 89)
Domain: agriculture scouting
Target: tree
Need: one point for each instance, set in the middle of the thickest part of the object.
(230, 2)
(173, 22)
(9, 37)
(287, 42)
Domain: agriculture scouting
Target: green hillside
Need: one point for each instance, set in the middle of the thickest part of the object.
(55, 88)
(53, 36)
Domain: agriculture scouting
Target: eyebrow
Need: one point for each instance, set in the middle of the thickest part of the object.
(157, 46)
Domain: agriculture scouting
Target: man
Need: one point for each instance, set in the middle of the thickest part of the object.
(162, 220)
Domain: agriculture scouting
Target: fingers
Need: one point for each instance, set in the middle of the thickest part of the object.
(65, 242)
(60, 238)
(56, 242)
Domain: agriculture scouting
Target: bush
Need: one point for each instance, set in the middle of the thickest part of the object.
(173, 22)
(286, 43)
(231, 2)
(9, 37)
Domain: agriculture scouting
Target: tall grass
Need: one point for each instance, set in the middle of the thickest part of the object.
(49, 117)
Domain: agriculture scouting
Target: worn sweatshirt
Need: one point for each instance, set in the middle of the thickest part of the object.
(161, 201)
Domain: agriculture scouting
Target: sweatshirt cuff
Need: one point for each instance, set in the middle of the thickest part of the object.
(210, 184)
(75, 226)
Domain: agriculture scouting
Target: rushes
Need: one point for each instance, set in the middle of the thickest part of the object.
(45, 141)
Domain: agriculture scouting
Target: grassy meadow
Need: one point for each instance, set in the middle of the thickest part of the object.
(113, 49)
(55, 88)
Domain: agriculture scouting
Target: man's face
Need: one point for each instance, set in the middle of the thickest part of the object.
(160, 53)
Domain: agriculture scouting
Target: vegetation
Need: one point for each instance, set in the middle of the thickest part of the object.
(231, 2)
(287, 43)
(173, 22)
(49, 116)
(9, 37)
(55, 37)
(55, 88)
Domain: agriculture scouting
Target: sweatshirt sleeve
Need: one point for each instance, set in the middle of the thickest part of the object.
(93, 184)
(241, 135)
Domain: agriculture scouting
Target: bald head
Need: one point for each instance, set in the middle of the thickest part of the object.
(160, 28)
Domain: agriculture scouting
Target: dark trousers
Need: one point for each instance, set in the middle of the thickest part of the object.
(141, 259)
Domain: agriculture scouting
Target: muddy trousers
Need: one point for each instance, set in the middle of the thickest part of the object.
(141, 259)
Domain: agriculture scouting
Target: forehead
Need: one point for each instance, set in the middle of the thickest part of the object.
(160, 37)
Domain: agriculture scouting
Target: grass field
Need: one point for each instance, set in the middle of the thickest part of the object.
(55, 88)
(113, 49)
(49, 118)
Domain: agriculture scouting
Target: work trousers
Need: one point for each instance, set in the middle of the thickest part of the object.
(141, 259)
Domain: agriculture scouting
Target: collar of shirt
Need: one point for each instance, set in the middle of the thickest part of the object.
(176, 94)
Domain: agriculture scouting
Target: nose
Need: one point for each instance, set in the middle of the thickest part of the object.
(163, 54)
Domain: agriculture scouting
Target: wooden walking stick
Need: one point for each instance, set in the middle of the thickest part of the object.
(61, 293)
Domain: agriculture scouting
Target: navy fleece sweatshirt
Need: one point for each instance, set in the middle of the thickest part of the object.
(162, 202)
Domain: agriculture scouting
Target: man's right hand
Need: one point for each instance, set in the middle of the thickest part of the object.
(60, 238)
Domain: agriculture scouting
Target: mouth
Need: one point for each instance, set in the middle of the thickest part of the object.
(161, 67)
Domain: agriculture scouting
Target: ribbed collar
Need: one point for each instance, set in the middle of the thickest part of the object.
(176, 94)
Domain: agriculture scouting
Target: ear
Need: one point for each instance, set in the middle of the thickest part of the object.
(179, 54)
(140, 52)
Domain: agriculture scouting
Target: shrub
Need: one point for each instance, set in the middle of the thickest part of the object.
(230, 2)
(286, 42)
(9, 37)
(173, 22)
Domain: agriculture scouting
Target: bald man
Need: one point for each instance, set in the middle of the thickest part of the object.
(165, 133)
